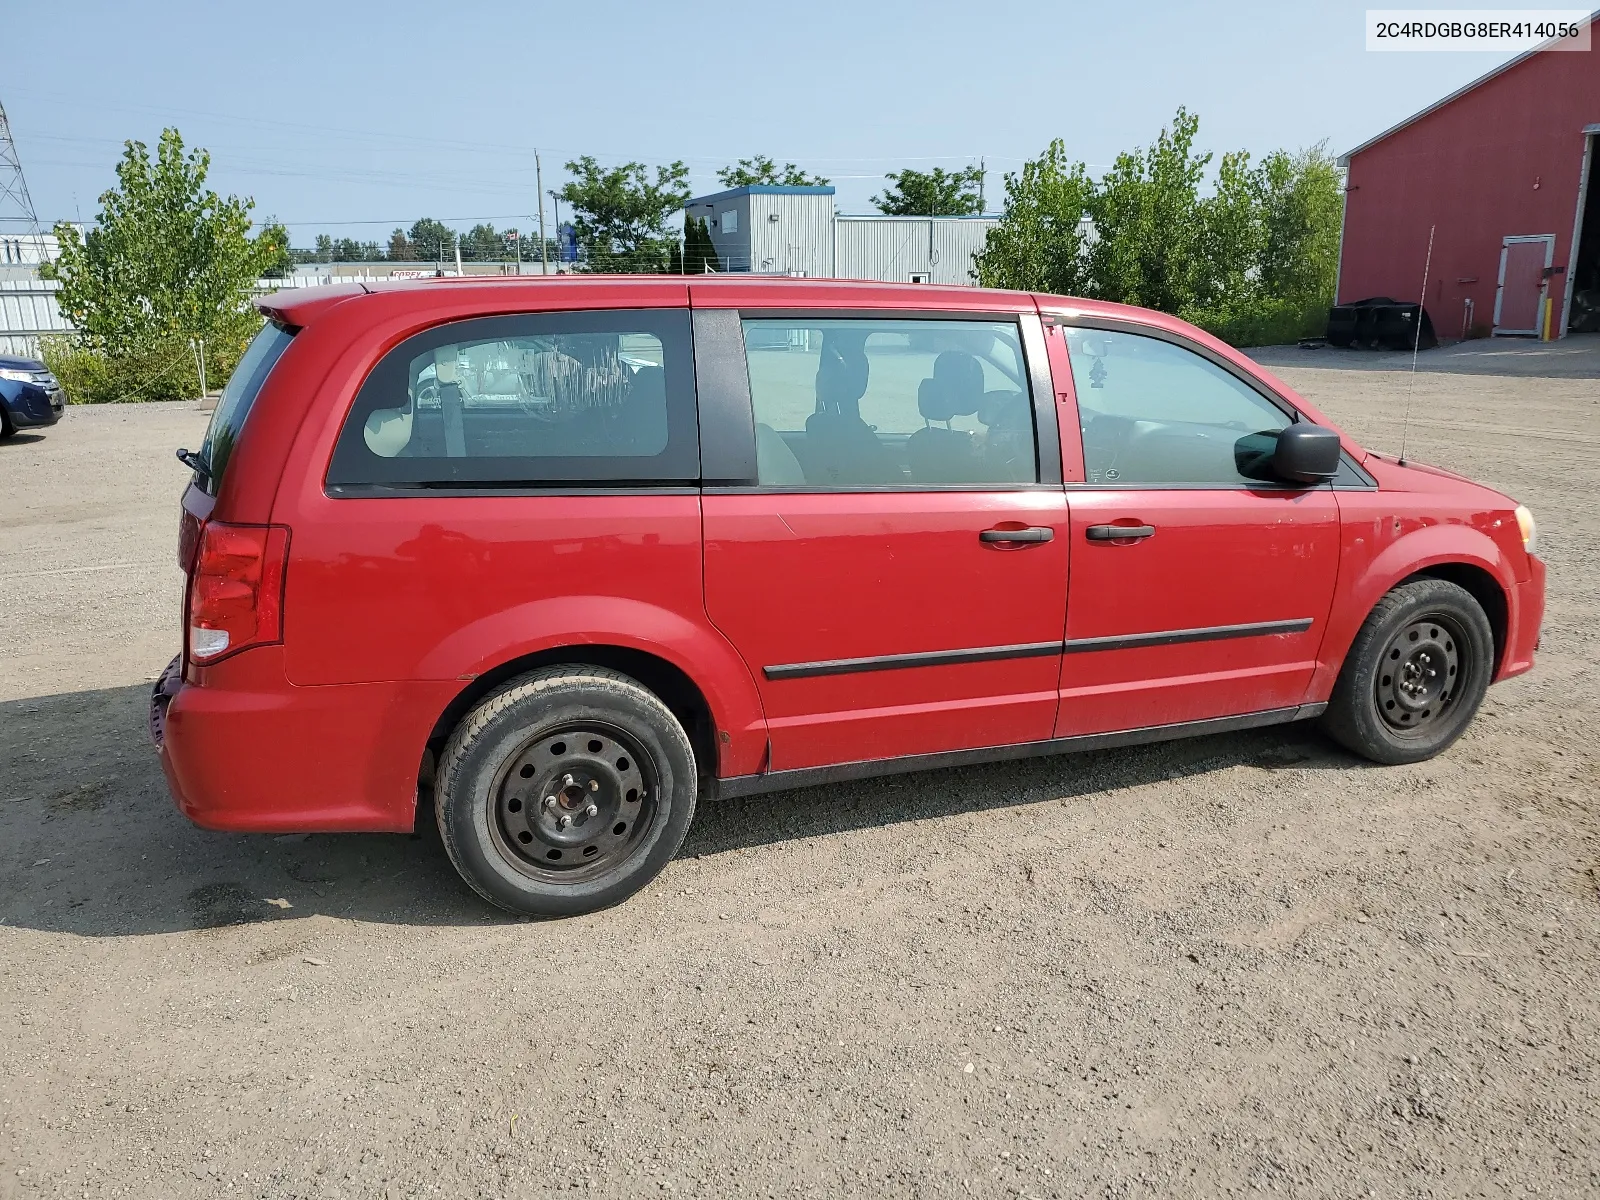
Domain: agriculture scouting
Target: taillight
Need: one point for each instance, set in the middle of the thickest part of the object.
(188, 538)
(236, 589)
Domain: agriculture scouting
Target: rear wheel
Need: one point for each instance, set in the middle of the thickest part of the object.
(566, 792)
(1415, 674)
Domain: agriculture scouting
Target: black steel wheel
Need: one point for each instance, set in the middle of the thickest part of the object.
(565, 792)
(1415, 674)
(574, 802)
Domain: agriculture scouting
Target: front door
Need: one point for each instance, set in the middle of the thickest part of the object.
(896, 577)
(1519, 299)
(1200, 588)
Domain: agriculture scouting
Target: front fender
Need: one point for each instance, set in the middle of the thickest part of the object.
(697, 650)
(1373, 563)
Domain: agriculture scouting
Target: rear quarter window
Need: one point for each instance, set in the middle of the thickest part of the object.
(237, 399)
(540, 399)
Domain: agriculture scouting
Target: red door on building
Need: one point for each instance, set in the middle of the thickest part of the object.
(1519, 301)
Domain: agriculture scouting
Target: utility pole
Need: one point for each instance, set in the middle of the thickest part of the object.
(538, 180)
(982, 172)
(16, 206)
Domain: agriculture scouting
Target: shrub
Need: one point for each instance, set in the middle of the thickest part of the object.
(1261, 321)
(165, 370)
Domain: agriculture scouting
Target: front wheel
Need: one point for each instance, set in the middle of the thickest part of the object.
(566, 792)
(1415, 674)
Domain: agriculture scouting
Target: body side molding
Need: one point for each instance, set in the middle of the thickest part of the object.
(941, 658)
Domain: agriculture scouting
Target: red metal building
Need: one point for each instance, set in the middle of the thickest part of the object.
(1505, 170)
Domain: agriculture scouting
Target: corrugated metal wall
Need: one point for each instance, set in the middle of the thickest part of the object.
(792, 234)
(27, 309)
(893, 249)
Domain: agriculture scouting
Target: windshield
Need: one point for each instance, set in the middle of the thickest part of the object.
(234, 405)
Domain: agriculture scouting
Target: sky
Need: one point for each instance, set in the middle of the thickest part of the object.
(350, 118)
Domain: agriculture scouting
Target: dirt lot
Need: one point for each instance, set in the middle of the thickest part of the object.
(1247, 963)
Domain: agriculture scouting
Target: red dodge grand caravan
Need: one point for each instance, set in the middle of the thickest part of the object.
(575, 553)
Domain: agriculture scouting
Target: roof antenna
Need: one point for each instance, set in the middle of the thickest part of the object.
(1416, 344)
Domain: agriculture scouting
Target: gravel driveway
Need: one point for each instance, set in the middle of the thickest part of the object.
(1244, 963)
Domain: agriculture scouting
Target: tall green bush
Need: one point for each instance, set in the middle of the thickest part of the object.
(1249, 254)
(167, 261)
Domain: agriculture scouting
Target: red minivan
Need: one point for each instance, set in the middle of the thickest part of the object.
(571, 554)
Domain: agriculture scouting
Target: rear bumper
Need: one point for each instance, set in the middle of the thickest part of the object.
(1523, 622)
(245, 750)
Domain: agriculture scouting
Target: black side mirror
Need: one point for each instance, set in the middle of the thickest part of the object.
(1306, 454)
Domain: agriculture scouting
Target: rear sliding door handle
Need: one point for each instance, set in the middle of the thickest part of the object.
(1034, 533)
(1107, 533)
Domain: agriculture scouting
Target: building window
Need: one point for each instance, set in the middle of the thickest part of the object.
(730, 221)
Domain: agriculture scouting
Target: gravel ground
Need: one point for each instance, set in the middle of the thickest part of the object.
(1247, 963)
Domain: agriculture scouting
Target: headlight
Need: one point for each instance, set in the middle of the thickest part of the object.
(1530, 531)
(18, 376)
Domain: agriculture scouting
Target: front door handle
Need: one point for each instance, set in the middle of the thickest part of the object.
(1034, 534)
(1108, 533)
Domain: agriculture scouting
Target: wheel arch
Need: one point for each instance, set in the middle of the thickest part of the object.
(1483, 587)
(675, 688)
(1458, 554)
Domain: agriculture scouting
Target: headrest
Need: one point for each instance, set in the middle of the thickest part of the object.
(956, 389)
(841, 373)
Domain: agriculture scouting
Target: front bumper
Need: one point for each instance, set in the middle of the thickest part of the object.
(33, 407)
(245, 750)
(1523, 621)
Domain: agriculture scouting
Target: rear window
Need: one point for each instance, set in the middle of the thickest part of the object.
(601, 398)
(237, 399)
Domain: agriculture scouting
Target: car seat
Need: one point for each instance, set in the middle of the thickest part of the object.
(941, 454)
(842, 450)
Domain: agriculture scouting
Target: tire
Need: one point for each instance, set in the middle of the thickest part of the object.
(1415, 674)
(565, 759)
(7, 428)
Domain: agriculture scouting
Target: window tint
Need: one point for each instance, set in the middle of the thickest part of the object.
(1153, 412)
(553, 397)
(237, 398)
(854, 403)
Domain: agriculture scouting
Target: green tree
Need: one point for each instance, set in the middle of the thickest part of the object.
(324, 248)
(1038, 244)
(1302, 199)
(167, 259)
(698, 255)
(620, 213)
(276, 258)
(482, 244)
(935, 193)
(400, 247)
(1148, 241)
(761, 169)
(1252, 259)
(432, 241)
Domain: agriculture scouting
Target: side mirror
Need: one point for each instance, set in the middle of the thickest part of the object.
(1306, 454)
